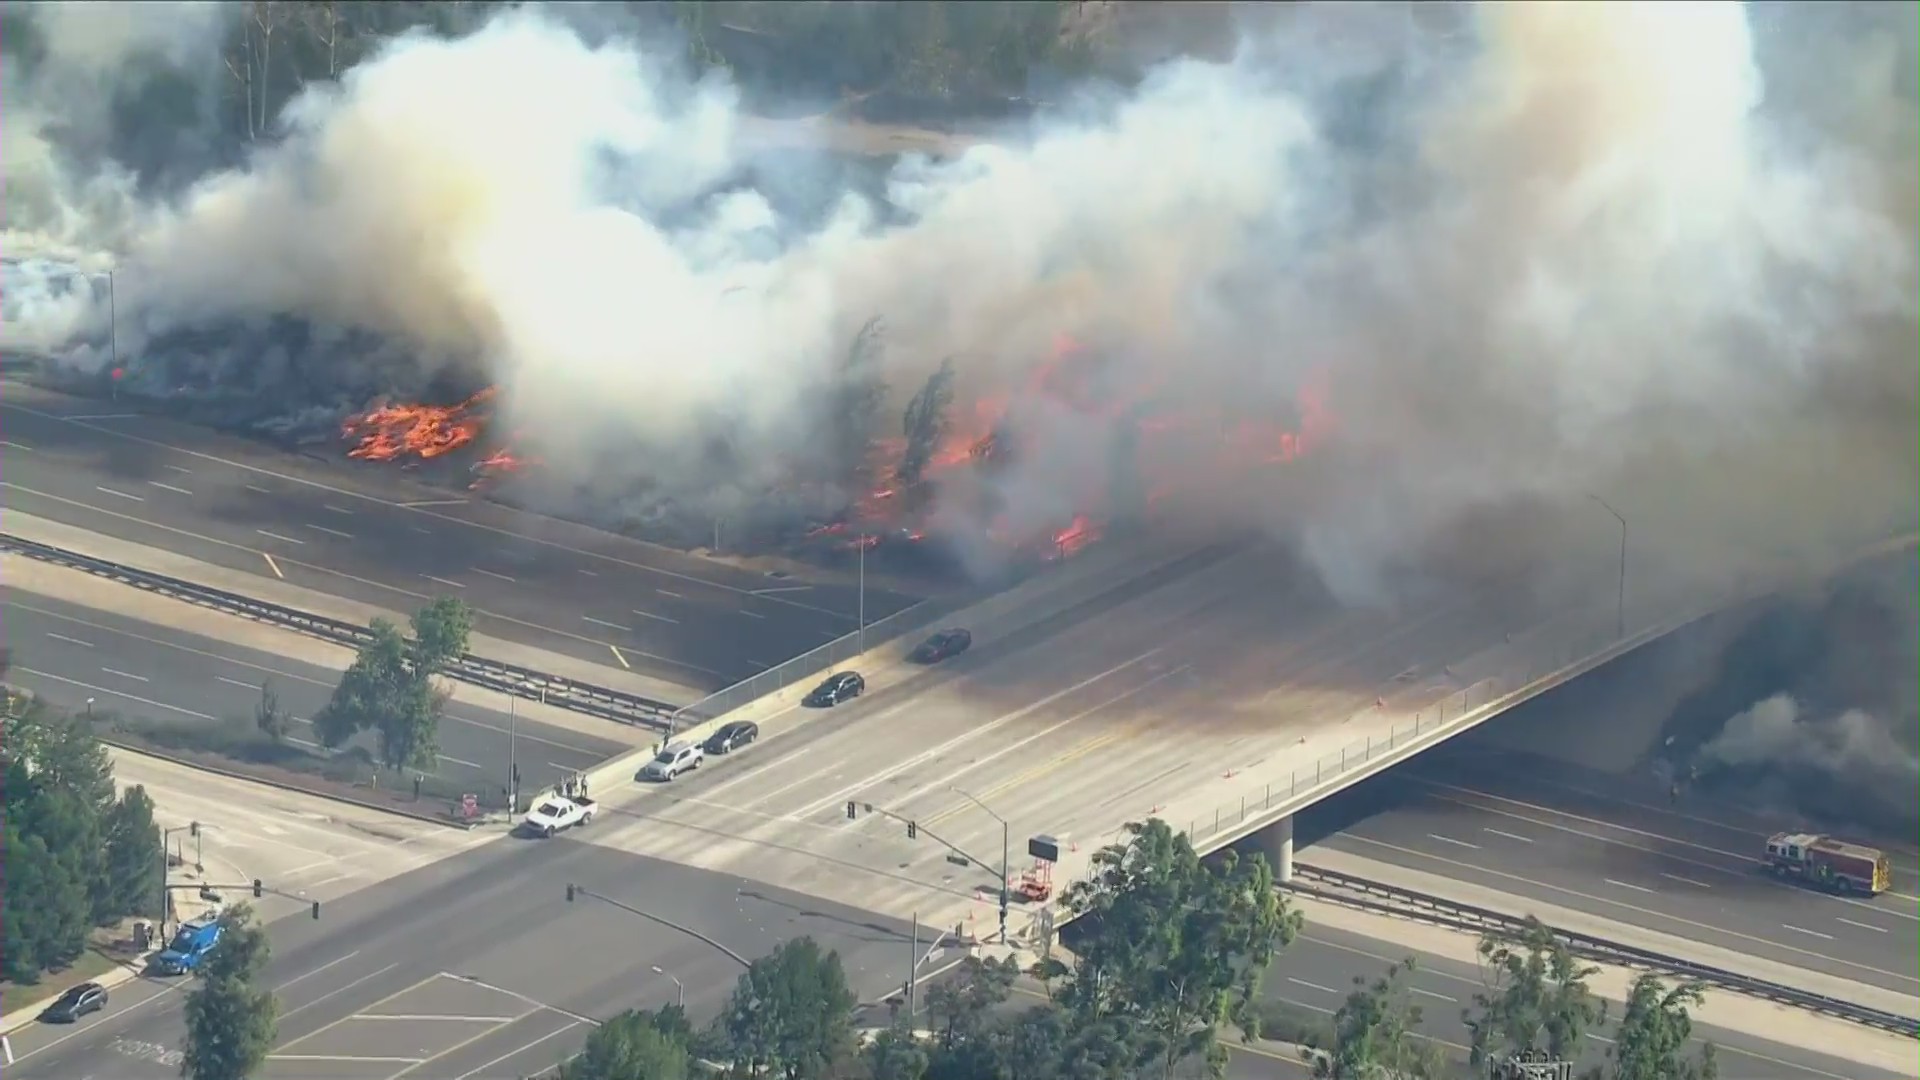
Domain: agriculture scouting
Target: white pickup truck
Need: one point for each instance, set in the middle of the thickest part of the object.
(556, 812)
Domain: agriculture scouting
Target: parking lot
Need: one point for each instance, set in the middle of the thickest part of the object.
(444, 1027)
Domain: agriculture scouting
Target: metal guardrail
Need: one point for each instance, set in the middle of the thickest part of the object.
(474, 670)
(1457, 916)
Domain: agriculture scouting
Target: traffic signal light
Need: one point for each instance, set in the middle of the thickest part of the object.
(316, 911)
(258, 889)
(913, 830)
(852, 812)
(569, 894)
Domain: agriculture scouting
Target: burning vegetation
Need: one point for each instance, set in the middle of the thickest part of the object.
(951, 466)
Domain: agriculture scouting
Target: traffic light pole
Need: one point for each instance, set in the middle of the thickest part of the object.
(576, 891)
(915, 831)
(258, 888)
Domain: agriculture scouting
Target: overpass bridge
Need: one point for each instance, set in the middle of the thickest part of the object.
(1218, 689)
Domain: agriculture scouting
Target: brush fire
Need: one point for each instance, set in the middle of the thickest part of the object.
(977, 445)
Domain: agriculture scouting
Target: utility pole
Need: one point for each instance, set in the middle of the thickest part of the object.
(1005, 830)
(862, 639)
(1620, 601)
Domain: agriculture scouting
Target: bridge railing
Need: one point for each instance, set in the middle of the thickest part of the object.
(1540, 657)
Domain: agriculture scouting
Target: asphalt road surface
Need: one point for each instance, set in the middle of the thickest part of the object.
(1547, 831)
(477, 967)
(361, 531)
(69, 653)
(1174, 695)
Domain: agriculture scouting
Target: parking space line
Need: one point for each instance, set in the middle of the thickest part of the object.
(469, 1041)
(411, 1062)
(517, 996)
(516, 1051)
(434, 1017)
(329, 1027)
(332, 993)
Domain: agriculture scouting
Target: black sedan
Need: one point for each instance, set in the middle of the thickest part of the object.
(843, 686)
(732, 736)
(77, 1002)
(945, 644)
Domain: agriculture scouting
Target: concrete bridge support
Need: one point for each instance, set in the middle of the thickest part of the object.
(1276, 840)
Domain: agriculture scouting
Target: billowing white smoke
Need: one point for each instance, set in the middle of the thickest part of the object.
(1579, 257)
(1850, 747)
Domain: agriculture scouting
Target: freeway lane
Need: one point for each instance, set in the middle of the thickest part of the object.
(358, 532)
(69, 653)
(477, 968)
(1524, 829)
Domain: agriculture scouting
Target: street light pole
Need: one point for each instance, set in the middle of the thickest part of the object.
(1620, 602)
(166, 835)
(1005, 831)
(862, 639)
(513, 752)
(679, 988)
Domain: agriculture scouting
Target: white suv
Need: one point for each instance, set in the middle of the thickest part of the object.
(674, 759)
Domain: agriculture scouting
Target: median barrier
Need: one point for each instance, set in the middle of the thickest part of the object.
(509, 679)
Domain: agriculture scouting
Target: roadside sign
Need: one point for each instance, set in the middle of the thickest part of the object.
(469, 805)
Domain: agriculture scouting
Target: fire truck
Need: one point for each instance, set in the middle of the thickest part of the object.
(1831, 864)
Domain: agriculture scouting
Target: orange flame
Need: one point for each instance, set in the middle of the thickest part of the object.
(425, 431)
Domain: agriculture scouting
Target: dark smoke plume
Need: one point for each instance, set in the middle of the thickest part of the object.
(1815, 706)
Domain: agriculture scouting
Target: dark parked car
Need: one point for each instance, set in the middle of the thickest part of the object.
(77, 1002)
(732, 736)
(946, 643)
(844, 686)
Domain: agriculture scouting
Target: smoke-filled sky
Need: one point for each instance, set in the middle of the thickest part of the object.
(1661, 252)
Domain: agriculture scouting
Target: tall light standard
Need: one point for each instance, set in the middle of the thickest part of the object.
(679, 988)
(1005, 829)
(513, 753)
(1620, 603)
(861, 639)
(166, 865)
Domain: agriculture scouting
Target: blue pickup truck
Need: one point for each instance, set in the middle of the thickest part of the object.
(189, 947)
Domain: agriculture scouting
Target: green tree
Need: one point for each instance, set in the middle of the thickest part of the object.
(635, 1045)
(1174, 945)
(389, 687)
(1537, 998)
(925, 424)
(895, 1054)
(77, 856)
(134, 867)
(791, 1013)
(963, 1007)
(1651, 1041)
(231, 1017)
(1373, 1034)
